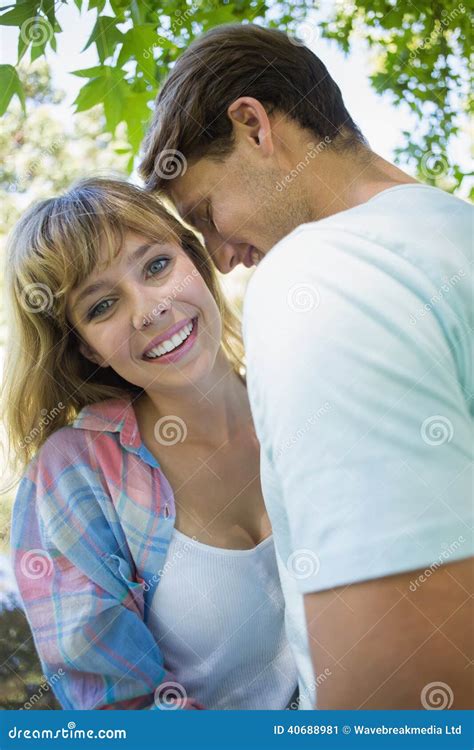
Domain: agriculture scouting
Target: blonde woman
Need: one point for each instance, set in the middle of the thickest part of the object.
(141, 545)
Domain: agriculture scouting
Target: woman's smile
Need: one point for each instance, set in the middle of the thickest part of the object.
(174, 347)
(164, 287)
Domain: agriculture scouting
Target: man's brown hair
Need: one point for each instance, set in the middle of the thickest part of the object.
(224, 64)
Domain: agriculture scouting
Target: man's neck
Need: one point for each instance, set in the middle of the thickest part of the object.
(343, 180)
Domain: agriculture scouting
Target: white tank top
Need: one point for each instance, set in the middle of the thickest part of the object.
(218, 617)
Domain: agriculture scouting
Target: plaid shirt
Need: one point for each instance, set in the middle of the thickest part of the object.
(91, 525)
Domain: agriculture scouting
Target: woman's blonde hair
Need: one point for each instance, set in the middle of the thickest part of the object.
(53, 248)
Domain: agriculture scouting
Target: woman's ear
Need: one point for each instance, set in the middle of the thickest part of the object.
(91, 354)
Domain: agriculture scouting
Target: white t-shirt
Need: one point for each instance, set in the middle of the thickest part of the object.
(358, 332)
(218, 617)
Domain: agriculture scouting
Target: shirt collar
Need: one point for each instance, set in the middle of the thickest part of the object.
(111, 415)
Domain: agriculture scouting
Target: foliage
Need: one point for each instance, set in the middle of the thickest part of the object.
(422, 52)
(421, 58)
(21, 681)
(41, 155)
(135, 43)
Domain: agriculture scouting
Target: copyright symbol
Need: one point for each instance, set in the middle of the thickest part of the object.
(346, 730)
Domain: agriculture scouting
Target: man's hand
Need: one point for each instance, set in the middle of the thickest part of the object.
(386, 640)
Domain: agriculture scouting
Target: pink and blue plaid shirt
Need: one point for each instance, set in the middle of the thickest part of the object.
(91, 525)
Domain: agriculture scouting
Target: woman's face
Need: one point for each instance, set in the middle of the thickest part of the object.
(150, 297)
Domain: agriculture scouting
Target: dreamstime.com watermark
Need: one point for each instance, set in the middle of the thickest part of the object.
(71, 732)
(303, 297)
(445, 555)
(170, 164)
(314, 150)
(44, 687)
(303, 564)
(294, 705)
(36, 30)
(37, 298)
(170, 430)
(169, 564)
(180, 18)
(36, 563)
(306, 34)
(310, 422)
(437, 430)
(440, 25)
(434, 164)
(437, 696)
(437, 297)
(170, 696)
(165, 303)
(46, 419)
(24, 180)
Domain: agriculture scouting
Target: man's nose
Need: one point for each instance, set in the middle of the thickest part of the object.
(224, 254)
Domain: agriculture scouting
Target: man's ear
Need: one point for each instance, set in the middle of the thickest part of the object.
(91, 354)
(250, 121)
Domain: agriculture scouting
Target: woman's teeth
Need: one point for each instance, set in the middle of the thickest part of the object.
(170, 344)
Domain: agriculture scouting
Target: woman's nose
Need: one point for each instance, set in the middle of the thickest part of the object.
(147, 313)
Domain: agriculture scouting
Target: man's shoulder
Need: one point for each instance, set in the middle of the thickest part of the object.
(415, 234)
(405, 213)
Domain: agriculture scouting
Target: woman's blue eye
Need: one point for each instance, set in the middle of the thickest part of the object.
(94, 312)
(163, 261)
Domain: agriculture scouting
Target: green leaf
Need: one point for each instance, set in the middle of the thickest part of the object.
(108, 89)
(139, 42)
(35, 31)
(137, 114)
(90, 94)
(10, 85)
(106, 36)
(114, 99)
(22, 46)
(37, 50)
(98, 4)
(138, 12)
(47, 6)
(89, 72)
(119, 7)
(20, 13)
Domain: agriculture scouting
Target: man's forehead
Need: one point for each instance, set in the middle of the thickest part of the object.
(194, 186)
(186, 202)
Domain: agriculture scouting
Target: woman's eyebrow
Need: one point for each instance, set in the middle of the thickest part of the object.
(88, 291)
(140, 252)
(137, 255)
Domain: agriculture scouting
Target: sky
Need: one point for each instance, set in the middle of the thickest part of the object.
(380, 121)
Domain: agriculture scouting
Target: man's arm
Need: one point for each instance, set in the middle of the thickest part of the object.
(400, 642)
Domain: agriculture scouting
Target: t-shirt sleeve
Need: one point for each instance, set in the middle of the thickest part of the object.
(361, 416)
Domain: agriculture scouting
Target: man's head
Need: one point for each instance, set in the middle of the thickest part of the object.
(239, 125)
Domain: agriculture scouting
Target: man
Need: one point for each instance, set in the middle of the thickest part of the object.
(357, 326)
